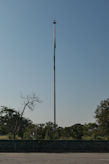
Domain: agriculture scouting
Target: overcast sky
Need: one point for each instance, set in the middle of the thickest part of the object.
(82, 57)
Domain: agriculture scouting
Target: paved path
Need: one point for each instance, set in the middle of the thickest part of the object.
(54, 158)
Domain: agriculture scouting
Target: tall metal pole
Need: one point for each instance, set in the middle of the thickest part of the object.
(54, 22)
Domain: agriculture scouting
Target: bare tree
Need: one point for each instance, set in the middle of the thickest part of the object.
(29, 102)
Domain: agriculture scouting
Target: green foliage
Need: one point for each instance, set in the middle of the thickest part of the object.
(50, 132)
(77, 131)
(14, 126)
(8, 120)
(12, 123)
(102, 117)
(90, 131)
(10, 136)
(29, 133)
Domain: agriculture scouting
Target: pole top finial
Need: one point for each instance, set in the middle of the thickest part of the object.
(54, 22)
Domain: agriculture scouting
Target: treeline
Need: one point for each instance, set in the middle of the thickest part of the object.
(15, 126)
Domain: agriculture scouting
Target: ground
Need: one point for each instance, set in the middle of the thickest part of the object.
(54, 158)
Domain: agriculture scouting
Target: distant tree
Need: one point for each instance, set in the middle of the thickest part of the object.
(77, 131)
(28, 131)
(8, 120)
(39, 131)
(29, 102)
(50, 132)
(60, 133)
(91, 130)
(67, 132)
(24, 124)
(12, 121)
(102, 117)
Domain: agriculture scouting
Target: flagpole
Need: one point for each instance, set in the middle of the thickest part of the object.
(54, 22)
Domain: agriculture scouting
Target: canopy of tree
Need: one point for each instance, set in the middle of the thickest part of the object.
(102, 117)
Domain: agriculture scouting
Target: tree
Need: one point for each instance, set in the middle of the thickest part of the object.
(30, 132)
(50, 132)
(13, 122)
(8, 120)
(90, 131)
(102, 117)
(77, 131)
(67, 131)
(39, 132)
(29, 102)
(24, 124)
